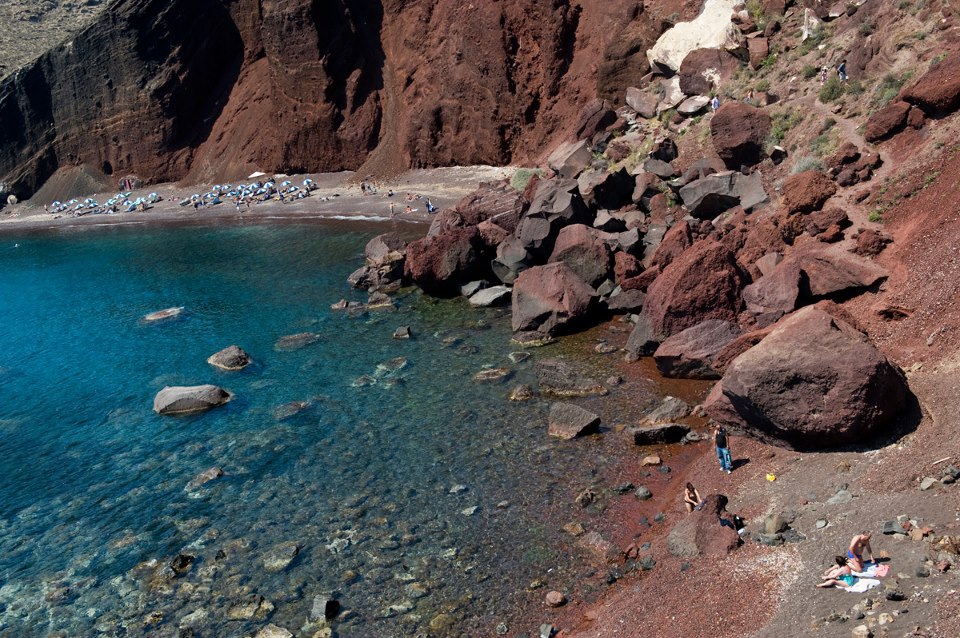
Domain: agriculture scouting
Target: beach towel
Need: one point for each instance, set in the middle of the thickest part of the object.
(873, 570)
(862, 585)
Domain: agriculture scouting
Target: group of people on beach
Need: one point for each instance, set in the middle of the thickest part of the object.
(252, 193)
(843, 573)
(121, 202)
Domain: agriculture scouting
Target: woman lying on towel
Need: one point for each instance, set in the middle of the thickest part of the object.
(839, 575)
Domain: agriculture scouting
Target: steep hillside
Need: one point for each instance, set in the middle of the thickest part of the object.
(211, 89)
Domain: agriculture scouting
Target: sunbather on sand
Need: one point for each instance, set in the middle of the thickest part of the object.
(839, 575)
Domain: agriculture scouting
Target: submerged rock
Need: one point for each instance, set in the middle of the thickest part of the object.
(559, 378)
(291, 409)
(492, 374)
(166, 313)
(187, 399)
(252, 607)
(522, 392)
(568, 421)
(297, 341)
(230, 358)
(203, 478)
(280, 556)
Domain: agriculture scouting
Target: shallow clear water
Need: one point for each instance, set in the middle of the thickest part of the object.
(92, 482)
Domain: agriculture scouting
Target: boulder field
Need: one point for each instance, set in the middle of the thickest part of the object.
(719, 281)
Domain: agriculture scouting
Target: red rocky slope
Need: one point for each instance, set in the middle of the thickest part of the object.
(210, 89)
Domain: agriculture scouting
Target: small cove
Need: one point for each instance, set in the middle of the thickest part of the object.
(375, 482)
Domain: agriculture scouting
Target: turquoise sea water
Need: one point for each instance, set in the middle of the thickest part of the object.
(92, 483)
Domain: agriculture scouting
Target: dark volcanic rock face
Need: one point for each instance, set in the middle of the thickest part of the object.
(209, 89)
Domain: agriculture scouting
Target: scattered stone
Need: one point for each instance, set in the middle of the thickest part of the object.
(403, 332)
(272, 631)
(861, 631)
(669, 410)
(518, 357)
(927, 483)
(574, 529)
(489, 297)
(252, 607)
(470, 511)
(458, 489)
(821, 523)
(546, 630)
(230, 358)
(651, 459)
(173, 400)
(647, 563)
(841, 497)
(643, 493)
(659, 434)
(568, 421)
(555, 599)
(325, 607)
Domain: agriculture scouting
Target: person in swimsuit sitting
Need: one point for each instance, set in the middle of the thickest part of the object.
(691, 498)
(859, 545)
(839, 575)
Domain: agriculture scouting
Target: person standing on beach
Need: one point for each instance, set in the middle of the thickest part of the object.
(723, 451)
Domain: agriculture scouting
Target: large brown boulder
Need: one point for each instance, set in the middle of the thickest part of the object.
(440, 264)
(814, 382)
(701, 534)
(675, 241)
(703, 70)
(496, 201)
(690, 353)
(937, 92)
(738, 132)
(807, 191)
(384, 263)
(568, 421)
(703, 283)
(589, 257)
(595, 116)
(548, 299)
(810, 272)
(885, 122)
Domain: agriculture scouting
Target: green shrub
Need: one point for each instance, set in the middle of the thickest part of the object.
(522, 176)
(806, 163)
(809, 72)
(828, 124)
(781, 122)
(762, 85)
(867, 27)
(823, 145)
(876, 217)
(887, 89)
(832, 90)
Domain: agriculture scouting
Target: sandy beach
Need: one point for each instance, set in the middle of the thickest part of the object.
(337, 195)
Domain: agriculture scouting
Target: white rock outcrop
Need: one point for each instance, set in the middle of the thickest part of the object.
(712, 29)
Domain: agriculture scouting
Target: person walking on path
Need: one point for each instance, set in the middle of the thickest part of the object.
(723, 451)
(842, 71)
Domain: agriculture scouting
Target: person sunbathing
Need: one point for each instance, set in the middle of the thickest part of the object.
(691, 498)
(859, 545)
(839, 575)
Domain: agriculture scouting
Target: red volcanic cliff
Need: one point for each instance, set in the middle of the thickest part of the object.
(203, 89)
